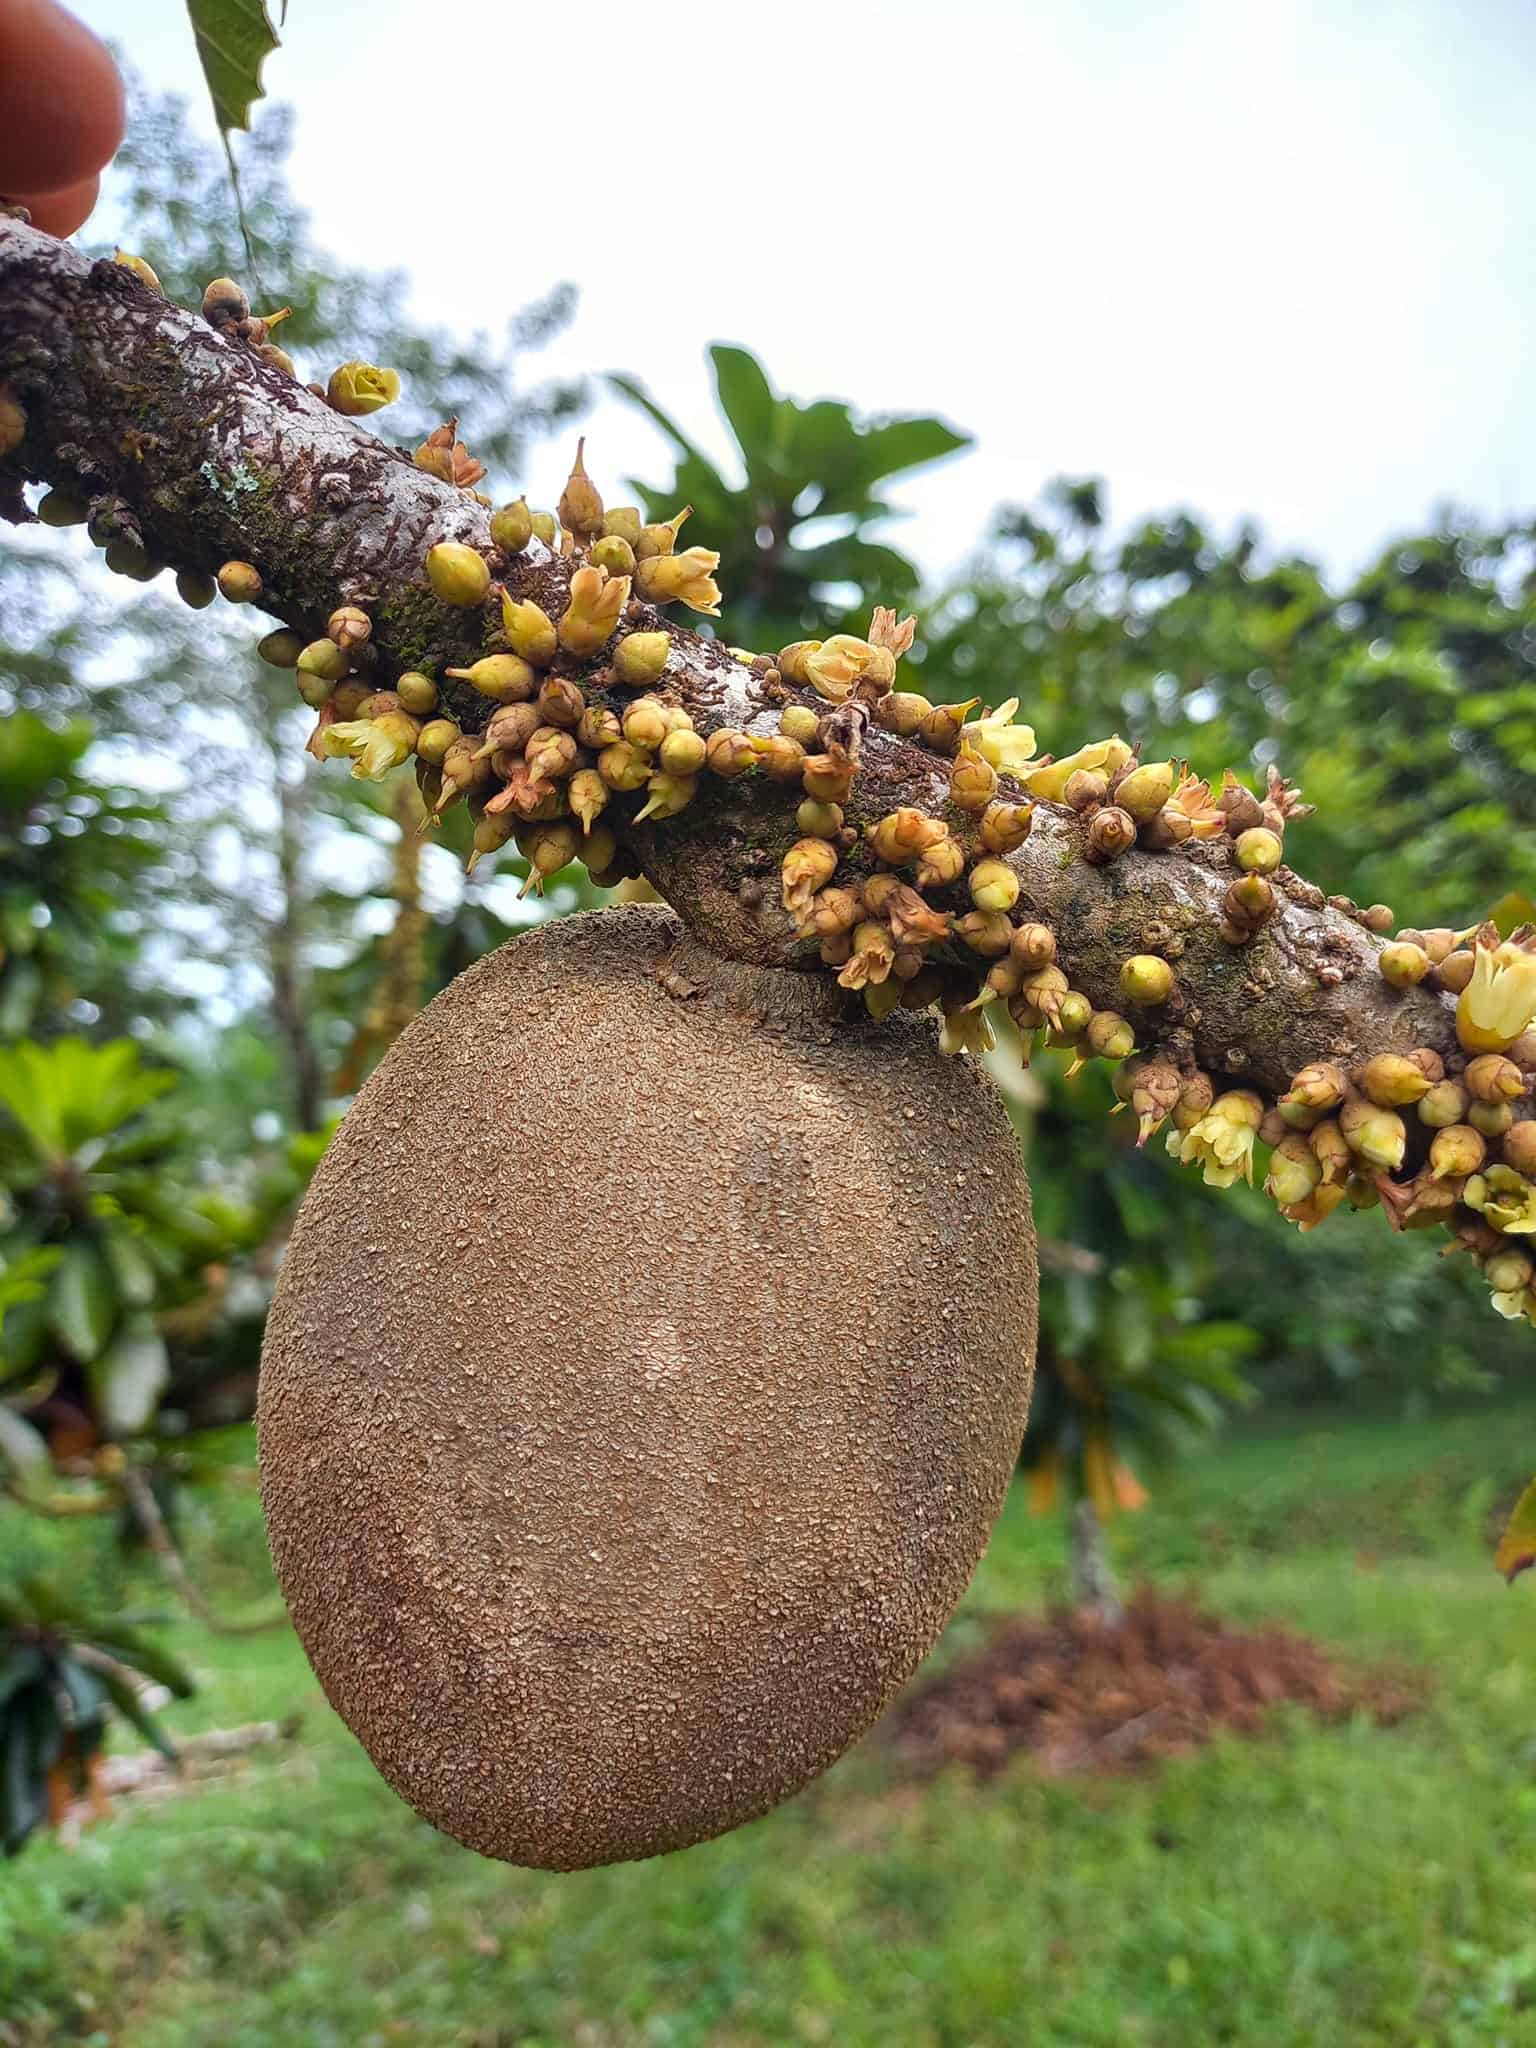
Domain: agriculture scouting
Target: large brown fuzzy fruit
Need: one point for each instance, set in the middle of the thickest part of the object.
(644, 1378)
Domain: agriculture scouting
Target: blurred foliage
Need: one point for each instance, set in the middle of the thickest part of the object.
(153, 1284)
(81, 874)
(794, 533)
(64, 1672)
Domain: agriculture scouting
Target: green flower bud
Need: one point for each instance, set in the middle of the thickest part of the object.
(1073, 1016)
(614, 556)
(512, 527)
(624, 766)
(505, 677)
(729, 753)
(994, 886)
(1443, 1104)
(1403, 965)
(282, 648)
(1492, 1077)
(1144, 978)
(458, 574)
(821, 821)
(580, 509)
(667, 795)
(660, 538)
(902, 712)
(639, 658)
(597, 602)
(622, 522)
(1493, 1119)
(987, 932)
(417, 693)
(195, 589)
(1393, 1081)
(645, 723)
(1258, 851)
(544, 527)
(941, 864)
(1110, 1036)
(61, 508)
(1005, 827)
(240, 582)
(1455, 970)
(1509, 1272)
(682, 753)
(434, 740)
(529, 629)
(1144, 791)
(1456, 1151)
(599, 849)
(323, 658)
(1378, 1136)
(314, 690)
(1294, 1171)
(799, 722)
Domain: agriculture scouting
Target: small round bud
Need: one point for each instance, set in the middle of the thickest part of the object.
(1005, 827)
(1251, 901)
(1144, 978)
(240, 582)
(348, 698)
(1170, 828)
(987, 932)
(544, 527)
(1509, 1272)
(1145, 790)
(1378, 1136)
(821, 821)
(1111, 832)
(458, 574)
(512, 527)
(623, 522)
(941, 864)
(506, 678)
(1073, 1016)
(623, 766)
(1520, 1146)
(350, 627)
(901, 712)
(614, 556)
(1403, 964)
(314, 690)
(61, 508)
(1378, 918)
(1492, 1077)
(941, 727)
(598, 727)
(195, 589)
(799, 722)
(1493, 1119)
(560, 702)
(1033, 946)
(1456, 1151)
(1110, 1036)
(1239, 806)
(994, 886)
(645, 724)
(551, 753)
(435, 738)
(972, 781)
(1085, 790)
(682, 753)
(1444, 1103)
(323, 658)
(599, 849)
(417, 693)
(783, 760)
(728, 753)
(223, 301)
(282, 648)
(1258, 851)
(1454, 971)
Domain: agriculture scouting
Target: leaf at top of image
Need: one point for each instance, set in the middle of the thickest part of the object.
(1517, 1546)
(234, 38)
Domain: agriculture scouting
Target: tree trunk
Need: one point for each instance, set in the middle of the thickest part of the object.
(1090, 1575)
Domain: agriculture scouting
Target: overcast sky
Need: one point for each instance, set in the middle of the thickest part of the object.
(1261, 259)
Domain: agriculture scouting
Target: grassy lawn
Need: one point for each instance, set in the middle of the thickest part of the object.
(1371, 1888)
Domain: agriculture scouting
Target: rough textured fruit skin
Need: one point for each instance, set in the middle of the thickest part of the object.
(644, 1378)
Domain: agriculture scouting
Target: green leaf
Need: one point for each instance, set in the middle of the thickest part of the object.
(747, 400)
(133, 1710)
(82, 1302)
(129, 1647)
(129, 1377)
(1517, 1546)
(234, 38)
(132, 1271)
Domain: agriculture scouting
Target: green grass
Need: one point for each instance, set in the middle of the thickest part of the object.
(1365, 1887)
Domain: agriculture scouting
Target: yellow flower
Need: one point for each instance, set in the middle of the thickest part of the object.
(837, 664)
(1222, 1141)
(1499, 1002)
(359, 388)
(1009, 748)
(689, 576)
(1506, 1198)
(375, 745)
(592, 617)
(886, 630)
(1513, 1306)
(1192, 796)
(1107, 756)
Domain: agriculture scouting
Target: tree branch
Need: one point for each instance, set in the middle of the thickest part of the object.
(204, 453)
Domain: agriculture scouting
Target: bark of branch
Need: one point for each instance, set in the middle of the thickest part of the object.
(217, 456)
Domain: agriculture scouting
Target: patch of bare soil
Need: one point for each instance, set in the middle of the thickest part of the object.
(1079, 1695)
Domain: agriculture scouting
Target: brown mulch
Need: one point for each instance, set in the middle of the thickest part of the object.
(1079, 1696)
